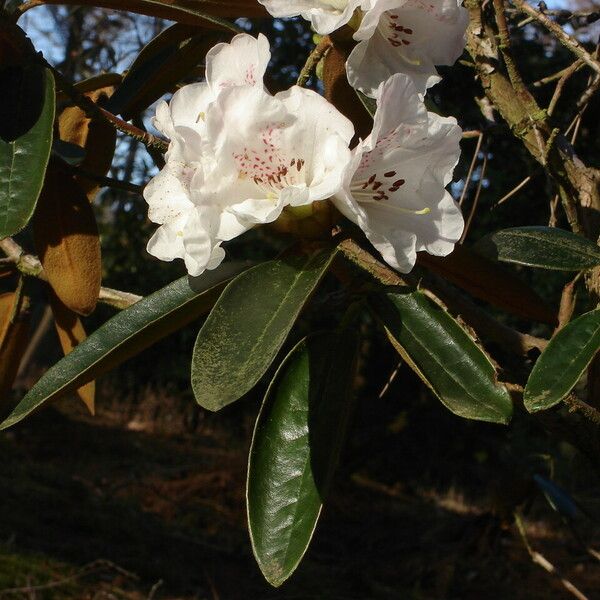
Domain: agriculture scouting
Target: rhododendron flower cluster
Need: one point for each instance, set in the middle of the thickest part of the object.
(239, 156)
(394, 36)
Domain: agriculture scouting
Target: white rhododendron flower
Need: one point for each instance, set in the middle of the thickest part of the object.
(268, 152)
(238, 156)
(242, 62)
(191, 229)
(406, 36)
(395, 187)
(325, 15)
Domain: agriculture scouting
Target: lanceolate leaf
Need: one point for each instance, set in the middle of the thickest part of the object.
(125, 335)
(23, 165)
(192, 12)
(544, 247)
(163, 62)
(295, 449)
(249, 324)
(563, 362)
(443, 354)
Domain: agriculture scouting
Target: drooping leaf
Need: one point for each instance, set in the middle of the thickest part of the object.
(544, 247)
(96, 137)
(66, 239)
(249, 324)
(191, 12)
(487, 280)
(70, 334)
(164, 61)
(92, 84)
(444, 355)
(23, 164)
(563, 362)
(14, 333)
(295, 448)
(125, 335)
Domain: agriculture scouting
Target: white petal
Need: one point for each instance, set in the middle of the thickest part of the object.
(325, 15)
(270, 151)
(400, 182)
(166, 244)
(189, 104)
(167, 194)
(242, 62)
(199, 240)
(410, 37)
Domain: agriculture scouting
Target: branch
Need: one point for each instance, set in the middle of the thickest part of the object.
(28, 264)
(564, 38)
(319, 52)
(91, 109)
(515, 341)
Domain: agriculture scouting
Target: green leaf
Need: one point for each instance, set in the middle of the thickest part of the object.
(295, 449)
(544, 247)
(192, 12)
(369, 104)
(164, 61)
(23, 163)
(125, 335)
(443, 354)
(249, 324)
(563, 362)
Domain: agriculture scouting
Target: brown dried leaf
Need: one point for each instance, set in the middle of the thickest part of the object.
(71, 333)
(14, 333)
(97, 137)
(66, 238)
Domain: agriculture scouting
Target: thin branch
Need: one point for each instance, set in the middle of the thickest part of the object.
(91, 109)
(475, 200)
(110, 182)
(550, 78)
(561, 35)
(512, 192)
(575, 404)
(319, 52)
(567, 74)
(543, 562)
(28, 264)
(514, 341)
(471, 169)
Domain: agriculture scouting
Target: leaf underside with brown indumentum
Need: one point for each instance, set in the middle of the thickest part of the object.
(71, 333)
(67, 242)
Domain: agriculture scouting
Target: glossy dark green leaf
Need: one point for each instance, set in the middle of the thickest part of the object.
(22, 99)
(249, 324)
(192, 12)
(296, 445)
(444, 355)
(125, 335)
(164, 61)
(23, 163)
(563, 362)
(543, 247)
